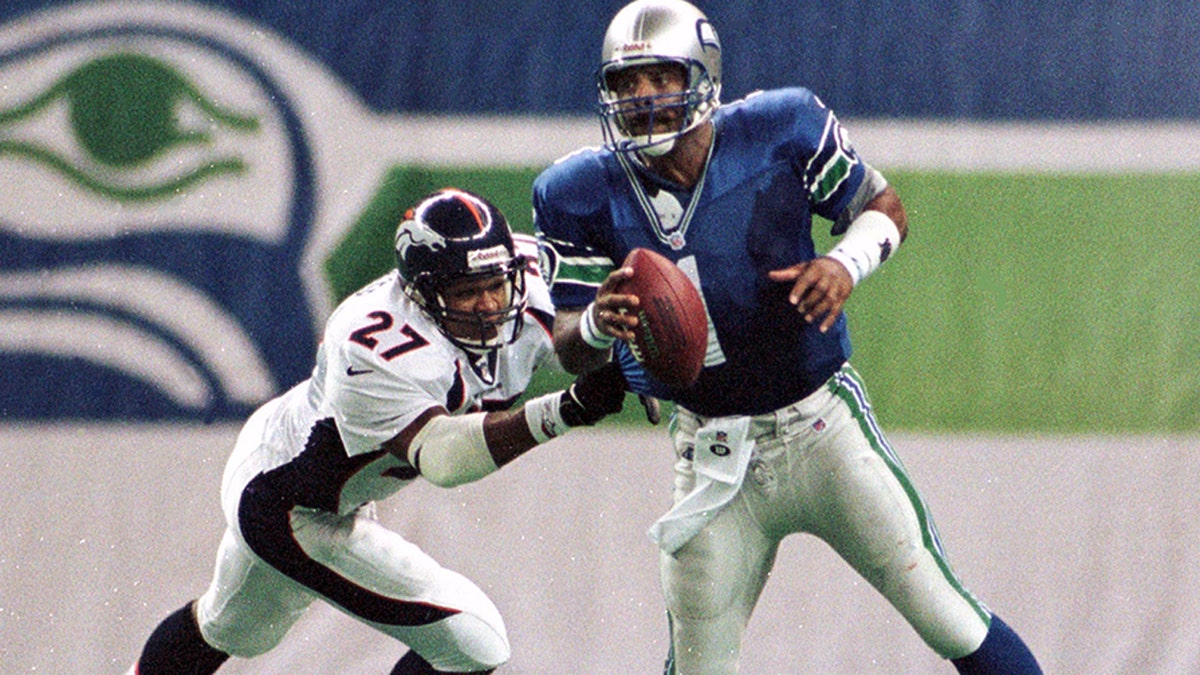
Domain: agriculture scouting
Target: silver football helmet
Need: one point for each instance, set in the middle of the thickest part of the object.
(650, 32)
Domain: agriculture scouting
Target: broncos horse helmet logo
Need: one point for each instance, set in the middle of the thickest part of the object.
(414, 232)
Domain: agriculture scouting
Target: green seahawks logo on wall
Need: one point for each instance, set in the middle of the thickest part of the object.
(122, 111)
(174, 185)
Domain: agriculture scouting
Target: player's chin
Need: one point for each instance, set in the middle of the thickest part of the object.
(484, 337)
(472, 333)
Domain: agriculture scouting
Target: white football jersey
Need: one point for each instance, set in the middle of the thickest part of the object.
(382, 363)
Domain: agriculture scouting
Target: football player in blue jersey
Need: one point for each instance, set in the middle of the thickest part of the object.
(777, 435)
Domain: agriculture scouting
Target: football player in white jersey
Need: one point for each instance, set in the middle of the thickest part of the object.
(415, 377)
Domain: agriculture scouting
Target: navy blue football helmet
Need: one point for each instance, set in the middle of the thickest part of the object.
(453, 235)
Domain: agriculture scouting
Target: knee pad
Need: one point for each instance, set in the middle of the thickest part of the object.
(249, 631)
(461, 643)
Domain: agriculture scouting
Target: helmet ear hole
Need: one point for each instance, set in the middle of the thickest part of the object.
(454, 235)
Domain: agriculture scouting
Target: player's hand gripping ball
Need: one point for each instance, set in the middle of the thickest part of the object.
(672, 331)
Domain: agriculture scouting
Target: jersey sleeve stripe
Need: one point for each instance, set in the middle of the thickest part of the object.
(832, 163)
(586, 271)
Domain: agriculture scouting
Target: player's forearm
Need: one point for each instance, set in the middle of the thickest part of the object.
(871, 237)
(574, 353)
(888, 202)
(450, 451)
(508, 435)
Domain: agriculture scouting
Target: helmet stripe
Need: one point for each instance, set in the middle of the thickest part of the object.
(471, 206)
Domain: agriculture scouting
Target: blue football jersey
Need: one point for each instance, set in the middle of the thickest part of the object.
(778, 158)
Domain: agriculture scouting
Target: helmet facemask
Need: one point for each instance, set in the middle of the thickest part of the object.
(629, 123)
(472, 330)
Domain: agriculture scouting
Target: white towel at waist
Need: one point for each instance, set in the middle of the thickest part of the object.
(719, 460)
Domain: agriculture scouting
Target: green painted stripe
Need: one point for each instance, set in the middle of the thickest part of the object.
(832, 176)
(861, 410)
(588, 274)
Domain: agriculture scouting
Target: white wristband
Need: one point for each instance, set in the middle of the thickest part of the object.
(544, 417)
(868, 241)
(590, 333)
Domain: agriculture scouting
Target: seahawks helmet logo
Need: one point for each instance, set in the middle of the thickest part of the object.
(707, 36)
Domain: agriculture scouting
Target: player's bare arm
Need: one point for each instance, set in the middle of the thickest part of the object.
(820, 287)
(888, 202)
(612, 317)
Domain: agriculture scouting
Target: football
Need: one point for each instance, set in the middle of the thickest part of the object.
(672, 331)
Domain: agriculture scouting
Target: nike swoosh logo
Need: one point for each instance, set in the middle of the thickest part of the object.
(352, 372)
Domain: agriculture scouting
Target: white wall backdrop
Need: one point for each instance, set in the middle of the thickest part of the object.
(1089, 546)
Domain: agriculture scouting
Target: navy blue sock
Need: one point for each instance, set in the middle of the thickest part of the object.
(1002, 653)
(176, 647)
(412, 664)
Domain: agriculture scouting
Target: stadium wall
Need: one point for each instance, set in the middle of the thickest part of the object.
(1028, 258)
(947, 59)
(1088, 545)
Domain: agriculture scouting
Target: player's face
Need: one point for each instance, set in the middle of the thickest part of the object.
(651, 96)
(483, 297)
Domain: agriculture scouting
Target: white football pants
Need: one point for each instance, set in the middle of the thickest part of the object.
(351, 561)
(820, 466)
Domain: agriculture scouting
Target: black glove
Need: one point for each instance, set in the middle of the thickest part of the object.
(652, 407)
(593, 396)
